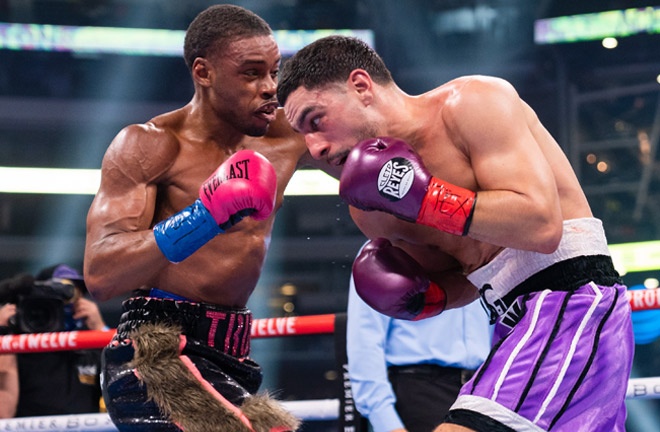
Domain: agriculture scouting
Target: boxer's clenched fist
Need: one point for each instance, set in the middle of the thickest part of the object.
(393, 283)
(244, 185)
(386, 174)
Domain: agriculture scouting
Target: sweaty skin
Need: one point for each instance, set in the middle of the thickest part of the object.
(153, 170)
(525, 185)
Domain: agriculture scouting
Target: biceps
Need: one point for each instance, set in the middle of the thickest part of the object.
(516, 165)
(131, 209)
(504, 153)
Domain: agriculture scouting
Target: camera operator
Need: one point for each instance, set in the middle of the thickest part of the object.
(53, 383)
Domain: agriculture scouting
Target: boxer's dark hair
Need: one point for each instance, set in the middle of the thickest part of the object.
(215, 27)
(328, 60)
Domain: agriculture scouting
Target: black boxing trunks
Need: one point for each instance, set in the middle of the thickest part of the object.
(178, 365)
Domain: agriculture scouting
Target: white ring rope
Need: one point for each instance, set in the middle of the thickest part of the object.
(642, 388)
(310, 410)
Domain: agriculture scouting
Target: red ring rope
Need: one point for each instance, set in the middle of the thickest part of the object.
(639, 300)
(94, 339)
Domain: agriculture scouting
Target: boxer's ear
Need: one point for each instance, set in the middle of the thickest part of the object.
(361, 83)
(201, 71)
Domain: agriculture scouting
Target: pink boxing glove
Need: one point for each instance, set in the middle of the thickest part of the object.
(394, 284)
(244, 185)
(386, 174)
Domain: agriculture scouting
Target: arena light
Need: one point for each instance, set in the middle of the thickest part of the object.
(49, 180)
(636, 257)
(86, 181)
(610, 43)
(596, 26)
(312, 182)
(136, 41)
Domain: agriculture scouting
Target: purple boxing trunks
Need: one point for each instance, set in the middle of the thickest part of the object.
(177, 365)
(562, 354)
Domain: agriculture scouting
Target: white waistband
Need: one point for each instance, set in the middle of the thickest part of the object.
(495, 411)
(581, 237)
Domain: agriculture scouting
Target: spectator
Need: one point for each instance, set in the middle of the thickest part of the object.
(52, 383)
(406, 374)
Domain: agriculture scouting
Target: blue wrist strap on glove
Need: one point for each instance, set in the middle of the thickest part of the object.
(186, 231)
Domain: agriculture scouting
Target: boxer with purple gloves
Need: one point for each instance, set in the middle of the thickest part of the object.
(386, 174)
(530, 249)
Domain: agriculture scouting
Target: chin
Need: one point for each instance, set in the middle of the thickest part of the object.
(256, 132)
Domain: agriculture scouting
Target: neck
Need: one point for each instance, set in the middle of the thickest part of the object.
(396, 112)
(208, 126)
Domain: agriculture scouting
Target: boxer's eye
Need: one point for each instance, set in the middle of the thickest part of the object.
(314, 123)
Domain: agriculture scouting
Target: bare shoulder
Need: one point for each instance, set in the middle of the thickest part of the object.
(282, 142)
(468, 92)
(476, 103)
(280, 127)
(142, 152)
(293, 143)
(475, 88)
(281, 139)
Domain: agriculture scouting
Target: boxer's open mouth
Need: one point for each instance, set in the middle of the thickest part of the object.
(267, 111)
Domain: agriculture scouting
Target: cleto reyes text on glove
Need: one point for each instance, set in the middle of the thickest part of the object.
(394, 284)
(243, 185)
(386, 174)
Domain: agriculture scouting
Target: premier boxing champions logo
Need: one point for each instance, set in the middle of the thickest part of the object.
(395, 178)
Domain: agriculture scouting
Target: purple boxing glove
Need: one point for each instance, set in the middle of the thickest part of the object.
(393, 283)
(386, 174)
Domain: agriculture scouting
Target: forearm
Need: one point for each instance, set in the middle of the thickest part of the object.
(386, 418)
(8, 385)
(373, 395)
(509, 205)
(459, 290)
(513, 220)
(121, 263)
(8, 404)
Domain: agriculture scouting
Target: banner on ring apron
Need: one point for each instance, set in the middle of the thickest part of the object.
(350, 419)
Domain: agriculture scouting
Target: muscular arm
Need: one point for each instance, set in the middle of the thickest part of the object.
(120, 252)
(517, 201)
(460, 291)
(446, 273)
(441, 267)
